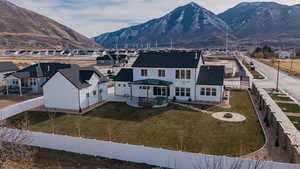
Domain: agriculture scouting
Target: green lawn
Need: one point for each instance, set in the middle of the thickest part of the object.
(173, 128)
(287, 107)
(280, 97)
(295, 121)
(256, 74)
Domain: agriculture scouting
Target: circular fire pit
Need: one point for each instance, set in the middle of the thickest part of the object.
(229, 117)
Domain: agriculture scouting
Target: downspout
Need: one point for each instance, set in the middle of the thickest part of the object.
(80, 110)
(195, 85)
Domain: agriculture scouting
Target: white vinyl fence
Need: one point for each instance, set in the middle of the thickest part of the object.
(232, 83)
(137, 154)
(20, 107)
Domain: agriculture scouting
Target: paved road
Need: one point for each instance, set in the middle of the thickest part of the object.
(289, 84)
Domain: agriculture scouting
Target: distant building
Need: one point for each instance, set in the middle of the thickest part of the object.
(285, 54)
(106, 60)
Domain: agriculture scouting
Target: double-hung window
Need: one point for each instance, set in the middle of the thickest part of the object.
(161, 73)
(144, 72)
(183, 74)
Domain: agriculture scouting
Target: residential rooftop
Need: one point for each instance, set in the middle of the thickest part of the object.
(8, 67)
(169, 59)
(211, 75)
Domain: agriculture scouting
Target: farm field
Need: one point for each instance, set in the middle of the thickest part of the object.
(173, 127)
(285, 65)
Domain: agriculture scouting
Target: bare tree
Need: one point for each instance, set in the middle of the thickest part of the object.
(52, 122)
(13, 150)
(215, 162)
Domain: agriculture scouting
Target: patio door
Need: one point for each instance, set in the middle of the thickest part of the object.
(161, 91)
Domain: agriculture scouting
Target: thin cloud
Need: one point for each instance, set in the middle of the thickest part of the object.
(94, 17)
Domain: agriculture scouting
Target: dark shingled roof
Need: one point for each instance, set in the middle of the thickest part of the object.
(168, 59)
(79, 76)
(40, 70)
(152, 82)
(8, 67)
(211, 75)
(124, 75)
(105, 57)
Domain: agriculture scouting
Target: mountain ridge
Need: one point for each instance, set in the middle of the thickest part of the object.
(249, 22)
(174, 26)
(21, 28)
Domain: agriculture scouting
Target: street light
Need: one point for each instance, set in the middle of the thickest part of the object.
(278, 71)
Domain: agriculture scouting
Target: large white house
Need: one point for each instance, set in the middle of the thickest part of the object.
(171, 75)
(75, 89)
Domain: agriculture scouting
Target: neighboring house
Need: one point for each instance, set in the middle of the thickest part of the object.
(75, 89)
(283, 54)
(174, 75)
(106, 60)
(32, 77)
(7, 67)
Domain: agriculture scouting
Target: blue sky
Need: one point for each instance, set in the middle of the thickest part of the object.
(93, 17)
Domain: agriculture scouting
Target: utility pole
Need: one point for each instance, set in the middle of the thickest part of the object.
(156, 44)
(278, 76)
(226, 45)
(292, 60)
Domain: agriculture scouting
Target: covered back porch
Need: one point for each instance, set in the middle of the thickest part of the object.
(17, 86)
(149, 93)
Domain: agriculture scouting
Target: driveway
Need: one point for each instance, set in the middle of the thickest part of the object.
(289, 84)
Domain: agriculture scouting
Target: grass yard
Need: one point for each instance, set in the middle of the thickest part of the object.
(295, 121)
(173, 128)
(280, 97)
(256, 74)
(290, 108)
(285, 65)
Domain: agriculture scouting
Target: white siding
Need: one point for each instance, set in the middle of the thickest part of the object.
(216, 98)
(93, 99)
(122, 89)
(60, 93)
(171, 77)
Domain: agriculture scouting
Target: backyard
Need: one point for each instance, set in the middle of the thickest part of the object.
(173, 127)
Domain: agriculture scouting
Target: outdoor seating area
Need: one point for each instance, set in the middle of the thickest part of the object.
(142, 102)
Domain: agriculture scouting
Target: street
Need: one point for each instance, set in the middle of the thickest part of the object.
(289, 84)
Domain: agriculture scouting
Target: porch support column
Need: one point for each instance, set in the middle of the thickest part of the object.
(20, 86)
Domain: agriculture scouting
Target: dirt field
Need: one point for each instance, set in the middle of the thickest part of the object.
(51, 159)
(285, 65)
(10, 100)
(23, 61)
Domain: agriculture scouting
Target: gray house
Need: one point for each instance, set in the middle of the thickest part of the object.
(108, 60)
(7, 67)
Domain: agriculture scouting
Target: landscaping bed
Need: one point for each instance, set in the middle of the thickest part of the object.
(173, 127)
(255, 74)
(295, 121)
(289, 108)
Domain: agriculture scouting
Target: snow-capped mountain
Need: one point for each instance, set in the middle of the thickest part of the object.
(264, 21)
(186, 26)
